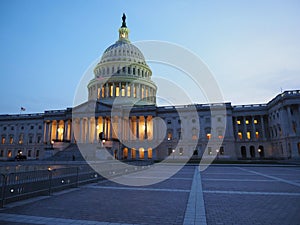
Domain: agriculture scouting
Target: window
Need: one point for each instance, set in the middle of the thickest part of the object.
(31, 127)
(169, 122)
(221, 150)
(240, 135)
(3, 140)
(1, 153)
(169, 135)
(29, 153)
(255, 121)
(12, 128)
(208, 135)
(128, 91)
(257, 134)
(209, 151)
(247, 121)
(4, 128)
(21, 139)
(195, 152)
(37, 153)
(179, 121)
(238, 122)
(180, 151)
(219, 119)
(170, 151)
(248, 135)
(9, 154)
(194, 134)
(11, 140)
(30, 139)
(39, 139)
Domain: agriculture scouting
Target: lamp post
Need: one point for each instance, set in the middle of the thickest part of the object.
(217, 150)
(173, 151)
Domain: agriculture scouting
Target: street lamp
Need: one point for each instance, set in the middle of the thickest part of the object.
(173, 151)
(217, 150)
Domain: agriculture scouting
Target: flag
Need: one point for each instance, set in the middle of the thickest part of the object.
(23, 109)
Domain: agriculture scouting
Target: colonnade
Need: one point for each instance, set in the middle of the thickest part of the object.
(125, 89)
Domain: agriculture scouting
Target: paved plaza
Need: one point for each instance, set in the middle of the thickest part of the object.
(221, 194)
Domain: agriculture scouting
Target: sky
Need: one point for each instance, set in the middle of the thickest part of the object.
(251, 47)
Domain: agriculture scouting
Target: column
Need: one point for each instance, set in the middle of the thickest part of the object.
(56, 129)
(137, 128)
(65, 136)
(88, 121)
(50, 131)
(80, 130)
(103, 126)
(263, 127)
(46, 132)
(244, 129)
(236, 129)
(253, 128)
(96, 130)
(110, 127)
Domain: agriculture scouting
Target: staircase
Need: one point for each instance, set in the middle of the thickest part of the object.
(71, 153)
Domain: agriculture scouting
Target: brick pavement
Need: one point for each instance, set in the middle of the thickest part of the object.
(252, 195)
(224, 195)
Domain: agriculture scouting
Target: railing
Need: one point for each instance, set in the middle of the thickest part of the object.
(23, 185)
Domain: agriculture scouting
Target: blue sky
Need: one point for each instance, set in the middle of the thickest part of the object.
(252, 47)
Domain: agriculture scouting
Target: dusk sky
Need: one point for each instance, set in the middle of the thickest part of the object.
(251, 47)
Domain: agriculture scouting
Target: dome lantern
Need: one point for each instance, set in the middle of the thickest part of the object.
(123, 31)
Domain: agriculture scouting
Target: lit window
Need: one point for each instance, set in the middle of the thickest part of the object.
(255, 121)
(102, 92)
(209, 152)
(169, 136)
(180, 151)
(98, 93)
(238, 122)
(111, 90)
(257, 134)
(194, 134)
(123, 90)
(117, 91)
(128, 91)
(3, 140)
(11, 140)
(248, 134)
(208, 136)
(240, 135)
(9, 154)
(247, 121)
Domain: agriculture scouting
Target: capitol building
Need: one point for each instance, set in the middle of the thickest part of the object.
(121, 117)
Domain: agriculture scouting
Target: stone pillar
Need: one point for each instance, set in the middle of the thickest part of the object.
(96, 130)
(137, 128)
(65, 130)
(56, 129)
(253, 128)
(263, 127)
(244, 128)
(80, 130)
(88, 121)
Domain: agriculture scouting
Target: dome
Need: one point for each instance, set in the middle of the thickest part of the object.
(123, 50)
(123, 73)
